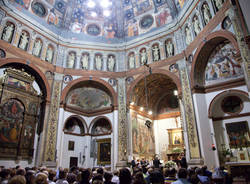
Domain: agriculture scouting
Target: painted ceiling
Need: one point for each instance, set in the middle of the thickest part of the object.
(158, 87)
(107, 20)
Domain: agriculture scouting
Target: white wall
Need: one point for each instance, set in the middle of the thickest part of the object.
(161, 134)
(83, 143)
(205, 125)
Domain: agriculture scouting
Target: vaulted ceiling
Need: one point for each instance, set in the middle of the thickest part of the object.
(157, 86)
(111, 19)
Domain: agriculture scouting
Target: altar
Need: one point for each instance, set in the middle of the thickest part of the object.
(239, 170)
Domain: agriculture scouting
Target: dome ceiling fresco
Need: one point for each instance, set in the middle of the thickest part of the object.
(101, 20)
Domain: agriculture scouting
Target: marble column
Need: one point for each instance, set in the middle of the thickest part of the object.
(49, 158)
(244, 50)
(189, 116)
(122, 125)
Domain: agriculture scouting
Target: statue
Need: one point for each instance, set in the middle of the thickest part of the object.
(156, 53)
(206, 13)
(188, 36)
(8, 33)
(197, 28)
(111, 63)
(71, 60)
(131, 61)
(85, 61)
(170, 48)
(37, 48)
(24, 40)
(218, 4)
(98, 62)
(143, 57)
(49, 55)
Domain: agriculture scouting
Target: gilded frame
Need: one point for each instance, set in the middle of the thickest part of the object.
(104, 151)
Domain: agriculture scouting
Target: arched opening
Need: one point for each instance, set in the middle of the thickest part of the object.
(229, 112)
(155, 118)
(100, 126)
(23, 93)
(75, 126)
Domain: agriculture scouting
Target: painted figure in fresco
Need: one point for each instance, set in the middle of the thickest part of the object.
(156, 53)
(85, 61)
(52, 18)
(49, 54)
(131, 61)
(130, 29)
(37, 48)
(170, 48)
(111, 63)
(24, 40)
(197, 28)
(71, 60)
(143, 57)
(98, 62)
(188, 36)
(8, 33)
(206, 13)
(218, 4)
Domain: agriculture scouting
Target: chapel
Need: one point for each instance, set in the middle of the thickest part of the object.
(92, 83)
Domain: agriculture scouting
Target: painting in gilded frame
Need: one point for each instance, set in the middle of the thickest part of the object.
(104, 151)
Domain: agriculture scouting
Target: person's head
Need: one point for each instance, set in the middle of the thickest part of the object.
(41, 178)
(115, 172)
(71, 178)
(182, 173)
(100, 171)
(18, 179)
(30, 177)
(52, 175)
(5, 174)
(156, 177)
(85, 175)
(62, 174)
(139, 179)
(20, 171)
(125, 176)
(97, 178)
(108, 176)
(172, 172)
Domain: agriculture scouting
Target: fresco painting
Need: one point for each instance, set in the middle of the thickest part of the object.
(142, 137)
(222, 65)
(75, 16)
(88, 98)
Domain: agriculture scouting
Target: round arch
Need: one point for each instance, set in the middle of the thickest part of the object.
(223, 94)
(32, 69)
(84, 124)
(172, 76)
(95, 120)
(203, 52)
(86, 79)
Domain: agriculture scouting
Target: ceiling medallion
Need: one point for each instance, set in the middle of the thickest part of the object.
(146, 21)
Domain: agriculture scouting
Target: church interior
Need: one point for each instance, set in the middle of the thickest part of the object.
(91, 83)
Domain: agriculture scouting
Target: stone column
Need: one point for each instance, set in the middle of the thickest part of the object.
(189, 116)
(78, 60)
(49, 157)
(122, 125)
(244, 50)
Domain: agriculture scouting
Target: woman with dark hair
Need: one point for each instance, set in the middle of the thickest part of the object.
(125, 176)
(139, 179)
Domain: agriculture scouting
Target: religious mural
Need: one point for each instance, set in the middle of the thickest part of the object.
(101, 127)
(75, 126)
(88, 98)
(11, 119)
(99, 20)
(222, 65)
(142, 137)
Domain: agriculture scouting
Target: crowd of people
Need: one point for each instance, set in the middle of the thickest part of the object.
(137, 174)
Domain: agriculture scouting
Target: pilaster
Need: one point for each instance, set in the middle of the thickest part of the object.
(49, 158)
(190, 126)
(122, 125)
(244, 50)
